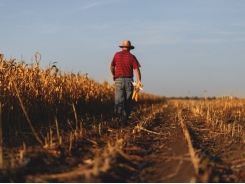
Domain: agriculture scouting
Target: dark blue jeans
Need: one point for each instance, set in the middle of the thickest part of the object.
(123, 95)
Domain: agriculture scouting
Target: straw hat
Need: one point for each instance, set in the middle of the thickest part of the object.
(127, 44)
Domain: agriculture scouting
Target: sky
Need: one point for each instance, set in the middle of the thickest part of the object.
(185, 47)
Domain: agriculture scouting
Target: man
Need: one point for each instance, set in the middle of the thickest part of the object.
(122, 66)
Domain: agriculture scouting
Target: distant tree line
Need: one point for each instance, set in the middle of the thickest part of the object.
(202, 98)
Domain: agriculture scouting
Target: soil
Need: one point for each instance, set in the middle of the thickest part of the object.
(152, 148)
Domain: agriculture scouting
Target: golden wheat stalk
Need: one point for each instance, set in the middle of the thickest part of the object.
(27, 117)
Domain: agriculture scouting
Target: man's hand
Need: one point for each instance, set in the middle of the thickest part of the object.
(136, 89)
(137, 86)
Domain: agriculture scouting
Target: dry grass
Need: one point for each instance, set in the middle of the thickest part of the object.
(226, 116)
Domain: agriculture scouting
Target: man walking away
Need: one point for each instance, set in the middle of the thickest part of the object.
(122, 66)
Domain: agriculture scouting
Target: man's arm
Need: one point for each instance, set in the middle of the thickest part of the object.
(112, 68)
(138, 74)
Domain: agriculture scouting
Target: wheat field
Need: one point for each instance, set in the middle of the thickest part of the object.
(33, 98)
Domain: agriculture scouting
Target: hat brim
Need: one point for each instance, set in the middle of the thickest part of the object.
(130, 47)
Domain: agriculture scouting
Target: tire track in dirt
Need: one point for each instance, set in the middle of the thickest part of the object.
(172, 162)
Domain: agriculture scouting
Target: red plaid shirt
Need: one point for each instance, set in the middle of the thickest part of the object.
(124, 62)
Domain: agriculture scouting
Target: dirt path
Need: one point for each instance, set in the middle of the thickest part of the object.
(165, 156)
(171, 163)
(153, 148)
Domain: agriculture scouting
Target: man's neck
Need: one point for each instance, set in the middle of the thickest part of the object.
(125, 49)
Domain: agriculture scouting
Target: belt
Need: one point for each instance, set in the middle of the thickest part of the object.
(124, 77)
